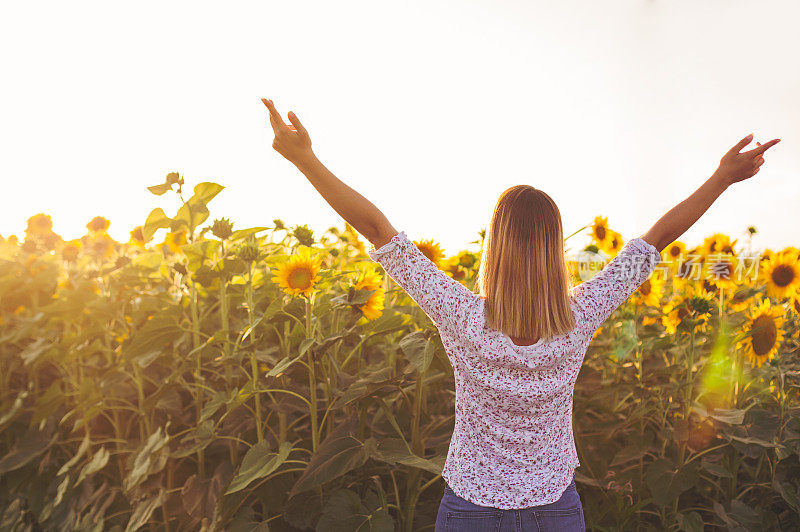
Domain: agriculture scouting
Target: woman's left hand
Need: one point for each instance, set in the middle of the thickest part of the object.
(291, 141)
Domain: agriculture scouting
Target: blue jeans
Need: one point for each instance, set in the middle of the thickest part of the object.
(457, 514)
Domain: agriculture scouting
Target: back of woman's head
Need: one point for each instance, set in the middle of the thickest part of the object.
(523, 272)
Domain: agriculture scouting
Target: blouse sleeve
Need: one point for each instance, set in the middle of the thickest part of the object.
(609, 288)
(446, 301)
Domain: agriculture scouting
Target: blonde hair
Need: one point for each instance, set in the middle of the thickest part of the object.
(523, 272)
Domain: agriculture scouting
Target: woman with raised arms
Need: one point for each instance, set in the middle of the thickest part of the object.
(517, 344)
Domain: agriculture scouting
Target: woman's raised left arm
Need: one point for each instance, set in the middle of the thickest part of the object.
(293, 142)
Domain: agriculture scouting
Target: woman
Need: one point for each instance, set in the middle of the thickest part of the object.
(516, 347)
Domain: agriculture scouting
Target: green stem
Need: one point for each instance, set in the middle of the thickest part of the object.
(689, 385)
(690, 375)
(198, 399)
(223, 309)
(140, 392)
(312, 378)
(417, 445)
(253, 361)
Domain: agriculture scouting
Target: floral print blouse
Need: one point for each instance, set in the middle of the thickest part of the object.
(512, 444)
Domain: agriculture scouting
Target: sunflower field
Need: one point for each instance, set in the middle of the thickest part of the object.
(268, 379)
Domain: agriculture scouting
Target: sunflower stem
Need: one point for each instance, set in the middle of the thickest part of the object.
(198, 399)
(312, 379)
(253, 361)
(223, 309)
(576, 232)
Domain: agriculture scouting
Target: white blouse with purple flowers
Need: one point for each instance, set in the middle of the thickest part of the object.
(512, 444)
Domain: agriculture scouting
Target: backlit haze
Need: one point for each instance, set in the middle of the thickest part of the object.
(429, 109)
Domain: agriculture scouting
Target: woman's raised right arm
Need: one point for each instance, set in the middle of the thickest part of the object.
(733, 167)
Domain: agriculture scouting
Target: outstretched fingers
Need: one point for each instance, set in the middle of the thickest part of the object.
(297, 125)
(741, 144)
(278, 125)
(755, 152)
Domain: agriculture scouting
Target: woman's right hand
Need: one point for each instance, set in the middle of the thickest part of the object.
(735, 166)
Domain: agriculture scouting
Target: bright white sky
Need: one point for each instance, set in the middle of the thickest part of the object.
(429, 108)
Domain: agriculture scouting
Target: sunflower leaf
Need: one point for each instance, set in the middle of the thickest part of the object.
(157, 219)
(159, 190)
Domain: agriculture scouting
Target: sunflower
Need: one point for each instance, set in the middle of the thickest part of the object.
(600, 232)
(99, 244)
(739, 299)
(174, 241)
(688, 270)
(794, 304)
(430, 249)
(764, 332)
(718, 243)
(467, 259)
(613, 243)
(781, 274)
(649, 320)
(650, 292)
(693, 306)
(452, 267)
(298, 275)
(70, 250)
(719, 270)
(39, 224)
(371, 280)
(351, 235)
(98, 224)
(674, 252)
(137, 236)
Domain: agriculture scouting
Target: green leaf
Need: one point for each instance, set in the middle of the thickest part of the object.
(206, 191)
(200, 497)
(282, 365)
(148, 342)
(755, 441)
(690, 522)
(394, 450)
(196, 440)
(148, 261)
(98, 462)
(78, 455)
(159, 190)
(732, 417)
(370, 383)
(220, 399)
(667, 481)
(195, 210)
(48, 403)
(344, 512)
(29, 445)
(790, 492)
(715, 469)
(628, 453)
(197, 252)
(335, 457)
(62, 488)
(155, 220)
(244, 233)
(33, 351)
(147, 460)
(15, 408)
(144, 510)
(418, 349)
(388, 411)
(192, 214)
(258, 463)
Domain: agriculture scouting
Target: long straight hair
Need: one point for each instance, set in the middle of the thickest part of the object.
(523, 273)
